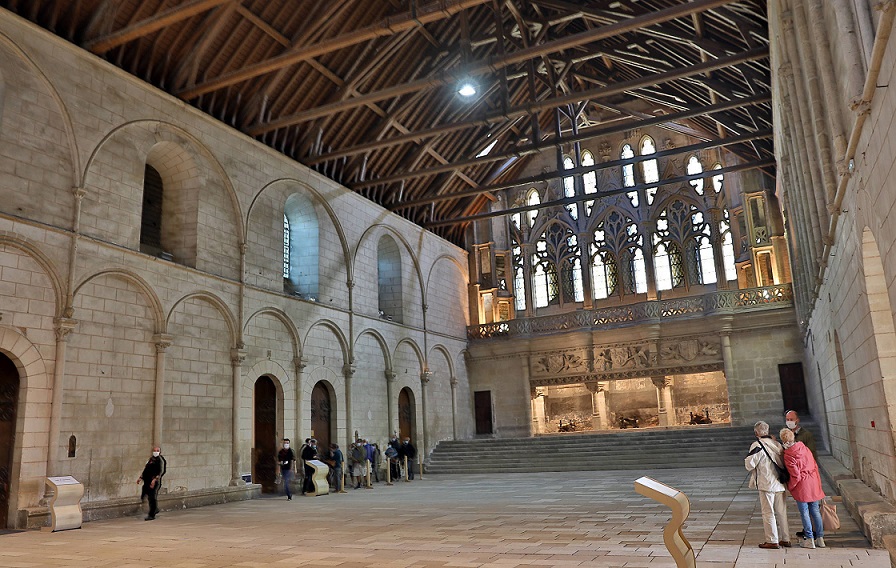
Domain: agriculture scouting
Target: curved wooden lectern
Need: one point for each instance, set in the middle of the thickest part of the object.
(679, 547)
(65, 506)
(319, 479)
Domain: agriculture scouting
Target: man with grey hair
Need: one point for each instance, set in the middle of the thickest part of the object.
(765, 454)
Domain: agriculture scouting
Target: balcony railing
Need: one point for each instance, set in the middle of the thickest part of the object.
(722, 301)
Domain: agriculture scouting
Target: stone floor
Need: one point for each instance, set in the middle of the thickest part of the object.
(526, 519)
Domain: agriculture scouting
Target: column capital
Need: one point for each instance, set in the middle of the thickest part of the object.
(162, 341)
(237, 356)
(425, 377)
(62, 326)
(661, 382)
(595, 387)
(348, 371)
(390, 375)
(453, 382)
(300, 363)
(79, 192)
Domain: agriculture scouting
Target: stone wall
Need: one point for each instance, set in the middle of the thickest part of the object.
(124, 349)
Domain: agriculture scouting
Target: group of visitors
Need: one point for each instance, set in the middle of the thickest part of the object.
(787, 465)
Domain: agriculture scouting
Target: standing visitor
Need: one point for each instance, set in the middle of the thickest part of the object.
(764, 456)
(287, 459)
(805, 486)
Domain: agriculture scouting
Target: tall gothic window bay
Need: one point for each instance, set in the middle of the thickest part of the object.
(616, 247)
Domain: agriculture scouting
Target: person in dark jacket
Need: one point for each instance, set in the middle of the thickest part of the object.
(409, 451)
(287, 460)
(309, 453)
(151, 478)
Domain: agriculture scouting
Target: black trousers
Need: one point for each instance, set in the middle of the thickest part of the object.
(308, 484)
(150, 493)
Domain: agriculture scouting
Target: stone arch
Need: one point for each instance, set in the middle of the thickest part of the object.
(447, 300)
(335, 385)
(344, 345)
(376, 230)
(318, 200)
(387, 355)
(45, 263)
(76, 179)
(442, 351)
(415, 348)
(33, 390)
(141, 284)
(219, 304)
(284, 319)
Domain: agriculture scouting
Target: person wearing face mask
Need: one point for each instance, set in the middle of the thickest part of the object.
(309, 453)
(287, 459)
(805, 486)
(151, 478)
(792, 421)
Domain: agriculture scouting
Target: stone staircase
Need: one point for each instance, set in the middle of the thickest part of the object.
(649, 448)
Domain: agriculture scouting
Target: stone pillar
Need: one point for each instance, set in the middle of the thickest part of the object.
(300, 364)
(237, 356)
(163, 341)
(390, 408)
(425, 377)
(64, 328)
(348, 371)
(538, 411)
(454, 408)
(600, 419)
(664, 400)
(728, 362)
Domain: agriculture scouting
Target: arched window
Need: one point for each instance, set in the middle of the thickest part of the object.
(604, 273)
(301, 247)
(519, 278)
(544, 278)
(727, 247)
(667, 260)
(532, 199)
(695, 167)
(628, 174)
(286, 239)
(571, 264)
(718, 179)
(569, 188)
(649, 168)
(635, 274)
(589, 179)
(388, 264)
(557, 267)
(151, 216)
(704, 256)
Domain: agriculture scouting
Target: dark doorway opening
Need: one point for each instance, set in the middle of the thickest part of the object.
(406, 414)
(9, 400)
(793, 388)
(265, 451)
(482, 401)
(321, 417)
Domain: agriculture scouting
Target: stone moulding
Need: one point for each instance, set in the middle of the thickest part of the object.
(722, 301)
(624, 374)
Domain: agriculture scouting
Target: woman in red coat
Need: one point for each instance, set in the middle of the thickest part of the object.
(805, 486)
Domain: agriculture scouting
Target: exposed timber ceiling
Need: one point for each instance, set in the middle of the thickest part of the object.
(364, 91)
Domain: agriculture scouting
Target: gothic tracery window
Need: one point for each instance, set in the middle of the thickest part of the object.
(718, 179)
(589, 180)
(695, 167)
(519, 278)
(569, 188)
(532, 198)
(728, 260)
(704, 256)
(649, 168)
(672, 227)
(628, 174)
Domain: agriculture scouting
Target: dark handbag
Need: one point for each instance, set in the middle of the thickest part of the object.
(783, 474)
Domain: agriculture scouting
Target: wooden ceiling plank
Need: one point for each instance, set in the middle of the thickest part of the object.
(157, 22)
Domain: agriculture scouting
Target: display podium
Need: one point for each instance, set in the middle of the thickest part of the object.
(679, 547)
(65, 506)
(319, 478)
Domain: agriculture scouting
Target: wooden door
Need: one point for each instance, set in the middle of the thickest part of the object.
(9, 398)
(483, 404)
(265, 452)
(793, 388)
(321, 414)
(406, 415)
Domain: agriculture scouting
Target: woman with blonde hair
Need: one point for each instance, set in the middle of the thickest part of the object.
(805, 486)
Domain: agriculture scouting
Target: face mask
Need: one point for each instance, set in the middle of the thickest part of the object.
(156, 454)
(285, 446)
(790, 424)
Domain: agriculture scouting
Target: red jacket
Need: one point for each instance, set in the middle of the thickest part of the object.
(805, 482)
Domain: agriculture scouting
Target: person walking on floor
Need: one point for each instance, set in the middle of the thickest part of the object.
(805, 486)
(309, 453)
(151, 478)
(765, 454)
(287, 460)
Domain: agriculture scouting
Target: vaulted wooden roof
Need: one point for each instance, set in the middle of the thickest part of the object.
(365, 91)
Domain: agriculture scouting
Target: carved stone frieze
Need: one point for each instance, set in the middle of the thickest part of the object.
(559, 363)
(632, 373)
(690, 349)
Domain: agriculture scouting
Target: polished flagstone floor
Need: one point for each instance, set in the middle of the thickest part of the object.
(592, 519)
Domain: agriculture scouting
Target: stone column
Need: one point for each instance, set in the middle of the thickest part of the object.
(237, 356)
(664, 400)
(390, 409)
(599, 416)
(425, 377)
(348, 371)
(300, 364)
(163, 341)
(538, 412)
(63, 328)
(728, 362)
(454, 408)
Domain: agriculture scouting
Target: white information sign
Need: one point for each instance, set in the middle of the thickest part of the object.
(64, 480)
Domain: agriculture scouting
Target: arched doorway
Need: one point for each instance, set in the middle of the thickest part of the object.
(321, 416)
(264, 454)
(407, 418)
(9, 398)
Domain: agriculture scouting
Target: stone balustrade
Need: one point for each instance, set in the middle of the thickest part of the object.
(722, 301)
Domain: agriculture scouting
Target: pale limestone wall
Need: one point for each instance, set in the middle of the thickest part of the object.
(850, 342)
(69, 120)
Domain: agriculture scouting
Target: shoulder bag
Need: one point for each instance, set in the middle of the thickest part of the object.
(783, 474)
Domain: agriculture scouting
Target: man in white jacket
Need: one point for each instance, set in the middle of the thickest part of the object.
(764, 477)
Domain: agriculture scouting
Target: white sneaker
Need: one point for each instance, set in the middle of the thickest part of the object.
(807, 543)
(819, 542)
